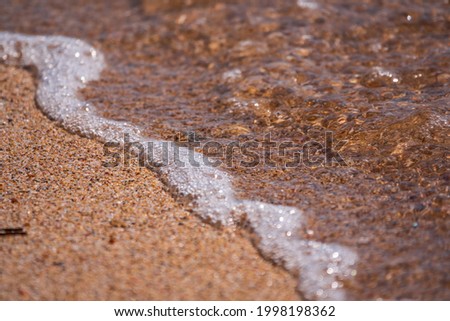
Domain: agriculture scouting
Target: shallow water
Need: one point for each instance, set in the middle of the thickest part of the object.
(374, 74)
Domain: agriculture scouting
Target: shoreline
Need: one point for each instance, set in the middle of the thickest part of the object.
(229, 72)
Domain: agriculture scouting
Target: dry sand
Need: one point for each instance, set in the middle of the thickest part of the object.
(96, 233)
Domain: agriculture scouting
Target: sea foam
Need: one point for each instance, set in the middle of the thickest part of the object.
(64, 67)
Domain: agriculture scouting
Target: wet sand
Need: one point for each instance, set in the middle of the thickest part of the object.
(95, 233)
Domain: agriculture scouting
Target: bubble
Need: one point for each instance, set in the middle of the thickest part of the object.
(308, 4)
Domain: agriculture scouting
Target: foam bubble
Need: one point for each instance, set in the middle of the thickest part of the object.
(65, 65)
(308, 4)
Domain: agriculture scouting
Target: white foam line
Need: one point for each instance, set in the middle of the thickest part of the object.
(65, 65)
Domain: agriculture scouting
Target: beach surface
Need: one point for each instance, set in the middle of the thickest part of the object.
(373, 74)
